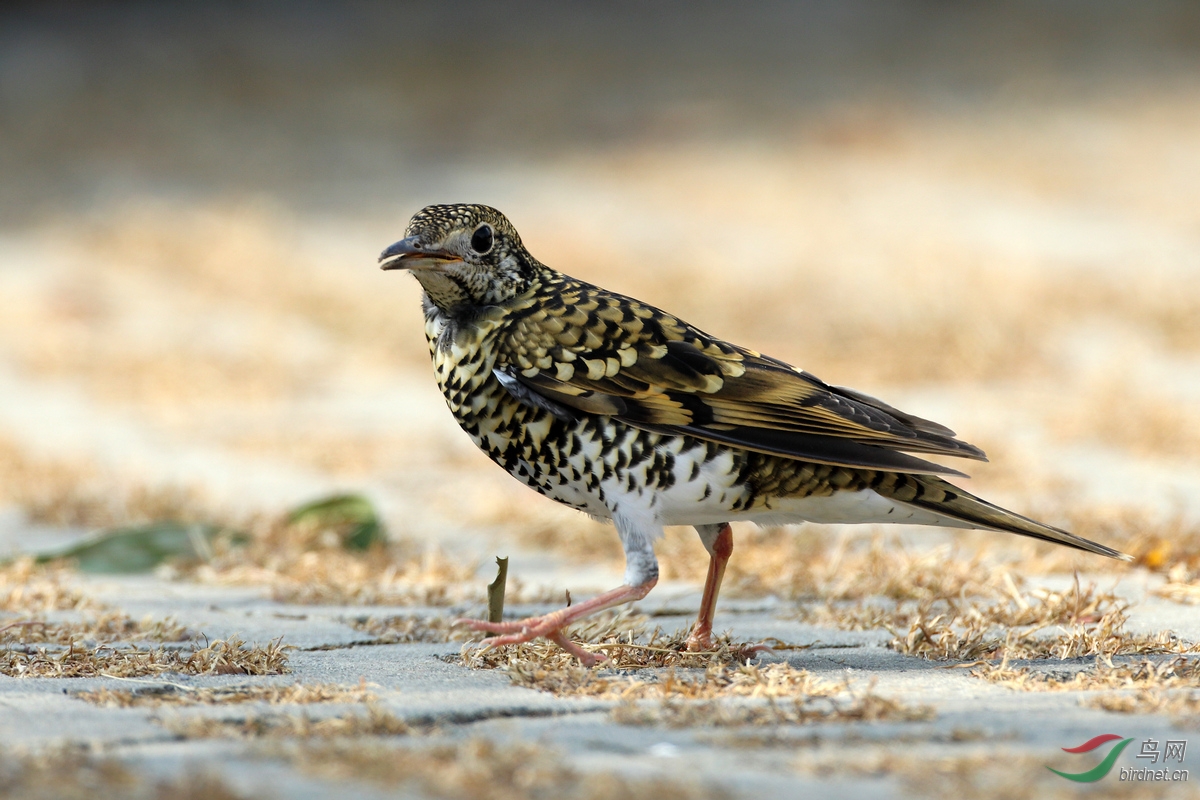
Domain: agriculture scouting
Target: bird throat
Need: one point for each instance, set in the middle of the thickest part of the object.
(446, 291)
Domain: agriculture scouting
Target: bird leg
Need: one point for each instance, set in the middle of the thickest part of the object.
(550, 625)
(720, 549)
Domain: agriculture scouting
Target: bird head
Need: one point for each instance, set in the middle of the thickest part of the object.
(465, 256)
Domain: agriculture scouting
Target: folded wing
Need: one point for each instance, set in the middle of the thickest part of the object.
(601, 353)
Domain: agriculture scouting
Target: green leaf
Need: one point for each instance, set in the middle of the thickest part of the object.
(139, 548)
(351, 512)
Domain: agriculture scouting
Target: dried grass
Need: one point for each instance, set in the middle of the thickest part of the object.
(232, 657)
(174, 694)
(622, 636)
(885, 568)
(1179, 592)
(674, 687)
(221, 657)
(971, 637)
(107, 627)
(1180, 672)
(377, 721)
(1140, 687)
(848, 706)
(72, 774)
(772, 682)
(974, 613)
(1182, 705)
(406, 630)
(480, 769)
(991, 600)
(27, 588)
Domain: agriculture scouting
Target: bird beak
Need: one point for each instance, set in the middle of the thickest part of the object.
(408, 254)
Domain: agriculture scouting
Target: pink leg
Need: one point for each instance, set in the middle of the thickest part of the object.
(550, 625)
(722, 548)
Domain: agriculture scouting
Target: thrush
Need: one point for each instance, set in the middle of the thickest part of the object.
(627, 413)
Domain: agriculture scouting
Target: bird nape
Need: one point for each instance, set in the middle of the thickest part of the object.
(624, 411)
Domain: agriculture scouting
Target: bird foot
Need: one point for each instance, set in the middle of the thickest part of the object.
(702, 642)
(548, 626)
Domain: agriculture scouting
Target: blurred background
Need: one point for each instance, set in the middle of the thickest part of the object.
(985, 214)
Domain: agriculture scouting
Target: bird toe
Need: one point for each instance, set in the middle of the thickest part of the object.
(489, 627)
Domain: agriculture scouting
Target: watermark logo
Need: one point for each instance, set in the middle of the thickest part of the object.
(1104, 767)
(1172, 750)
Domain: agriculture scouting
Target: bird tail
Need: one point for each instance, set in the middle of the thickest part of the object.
(947, 500)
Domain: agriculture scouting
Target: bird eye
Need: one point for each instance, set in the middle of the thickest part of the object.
(481, 239)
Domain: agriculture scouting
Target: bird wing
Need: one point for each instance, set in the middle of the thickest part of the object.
(601, 353)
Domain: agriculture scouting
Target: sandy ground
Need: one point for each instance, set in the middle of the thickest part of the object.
(1004, 238)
